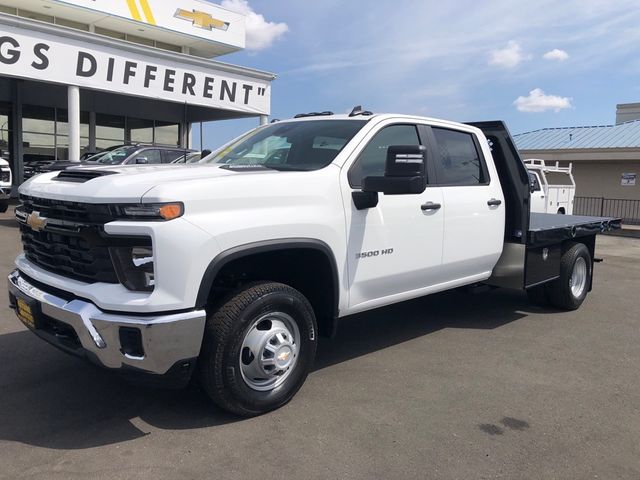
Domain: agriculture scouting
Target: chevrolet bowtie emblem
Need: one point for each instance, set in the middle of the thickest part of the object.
(284, 356)
(201, 19)
(36, 222)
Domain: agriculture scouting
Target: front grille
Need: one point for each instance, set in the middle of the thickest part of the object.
(74, 256)
(5, 176)
(73, 243)
(85, 213)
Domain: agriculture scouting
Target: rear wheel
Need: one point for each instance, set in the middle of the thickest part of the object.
(258, 348)
(571, 288)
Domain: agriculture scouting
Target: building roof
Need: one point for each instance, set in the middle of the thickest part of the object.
(624, 135)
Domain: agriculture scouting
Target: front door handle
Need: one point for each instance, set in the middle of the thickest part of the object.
(430, 206)
(494, 202)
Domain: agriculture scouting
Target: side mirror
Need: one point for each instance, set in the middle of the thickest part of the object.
(404, 172)
(142, 160)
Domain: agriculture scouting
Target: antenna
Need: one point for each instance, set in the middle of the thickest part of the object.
(357, 110)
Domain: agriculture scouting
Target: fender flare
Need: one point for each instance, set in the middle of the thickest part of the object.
(238, 252)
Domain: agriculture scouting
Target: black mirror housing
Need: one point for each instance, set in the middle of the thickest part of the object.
(404, 172)
(405, 161)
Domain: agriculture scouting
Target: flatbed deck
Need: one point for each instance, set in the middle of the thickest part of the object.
(549, 228)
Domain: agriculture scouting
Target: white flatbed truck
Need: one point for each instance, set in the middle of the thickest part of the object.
(230, 270)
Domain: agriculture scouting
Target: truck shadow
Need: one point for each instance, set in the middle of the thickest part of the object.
(371, 331)
(51, 400)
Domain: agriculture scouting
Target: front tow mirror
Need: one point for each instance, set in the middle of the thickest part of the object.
(404, 172)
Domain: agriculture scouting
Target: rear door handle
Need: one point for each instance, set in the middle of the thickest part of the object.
(430, 206)
(494, 202)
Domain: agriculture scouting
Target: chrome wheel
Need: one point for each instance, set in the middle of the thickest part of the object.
(578, 280)
(269, 351)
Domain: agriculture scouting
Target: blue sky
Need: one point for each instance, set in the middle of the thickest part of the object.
(533, 64)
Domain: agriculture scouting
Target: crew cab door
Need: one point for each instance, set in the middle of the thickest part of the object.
(394, 249)
(474, 205)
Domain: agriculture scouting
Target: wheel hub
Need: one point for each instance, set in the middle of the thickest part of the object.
(578, 280)
(269, 351)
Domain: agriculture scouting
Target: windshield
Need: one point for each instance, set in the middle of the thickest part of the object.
(114, 157)
(303, 146)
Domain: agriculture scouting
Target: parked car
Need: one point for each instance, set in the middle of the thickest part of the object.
(553, 187)
(5, 185)
(193, 157)
(138, 154)
(230, 270)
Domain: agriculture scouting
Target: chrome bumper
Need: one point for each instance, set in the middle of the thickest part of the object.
(166, 340)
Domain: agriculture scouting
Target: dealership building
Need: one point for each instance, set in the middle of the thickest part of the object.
(79, 76)
(605, 159)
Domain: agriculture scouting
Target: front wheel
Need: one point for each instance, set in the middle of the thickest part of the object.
(258, 348)
(571, 288)
(4, 206)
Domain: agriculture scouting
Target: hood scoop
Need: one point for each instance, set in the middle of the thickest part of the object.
(81, 176)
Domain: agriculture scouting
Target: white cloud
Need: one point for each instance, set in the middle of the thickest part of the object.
(538, 101)
(260, 33)
(508, 57)
(556, 54)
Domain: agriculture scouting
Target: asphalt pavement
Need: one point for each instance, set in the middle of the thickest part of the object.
(451, 386)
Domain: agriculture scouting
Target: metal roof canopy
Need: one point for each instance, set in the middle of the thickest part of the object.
(623, 135)
(218, 43)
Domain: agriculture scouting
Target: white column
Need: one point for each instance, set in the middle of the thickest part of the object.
(73, 102)
(264, 119)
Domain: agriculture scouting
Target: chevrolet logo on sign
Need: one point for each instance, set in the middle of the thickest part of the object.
(201, 20)
(36, 222)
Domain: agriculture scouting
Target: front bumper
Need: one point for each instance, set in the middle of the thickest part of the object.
(5, 193)
(156, 344)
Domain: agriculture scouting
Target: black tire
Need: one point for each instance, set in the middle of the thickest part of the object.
(219, 363)
(538, 296)
(4, 206)
(559, 291)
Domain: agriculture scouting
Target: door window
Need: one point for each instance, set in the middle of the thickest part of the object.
(458, 161)
(372, 160)
(151, 156)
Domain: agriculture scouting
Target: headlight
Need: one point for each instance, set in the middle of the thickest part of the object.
(150, 211)
(134, 267)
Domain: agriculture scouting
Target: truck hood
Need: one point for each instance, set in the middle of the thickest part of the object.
(126, 183)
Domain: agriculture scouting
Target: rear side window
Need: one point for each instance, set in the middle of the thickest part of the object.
(458, 161)
(372, 160)
(173, 155)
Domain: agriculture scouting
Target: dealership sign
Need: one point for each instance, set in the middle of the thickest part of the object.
(40, 56)
(628, 180)
(191, 17)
